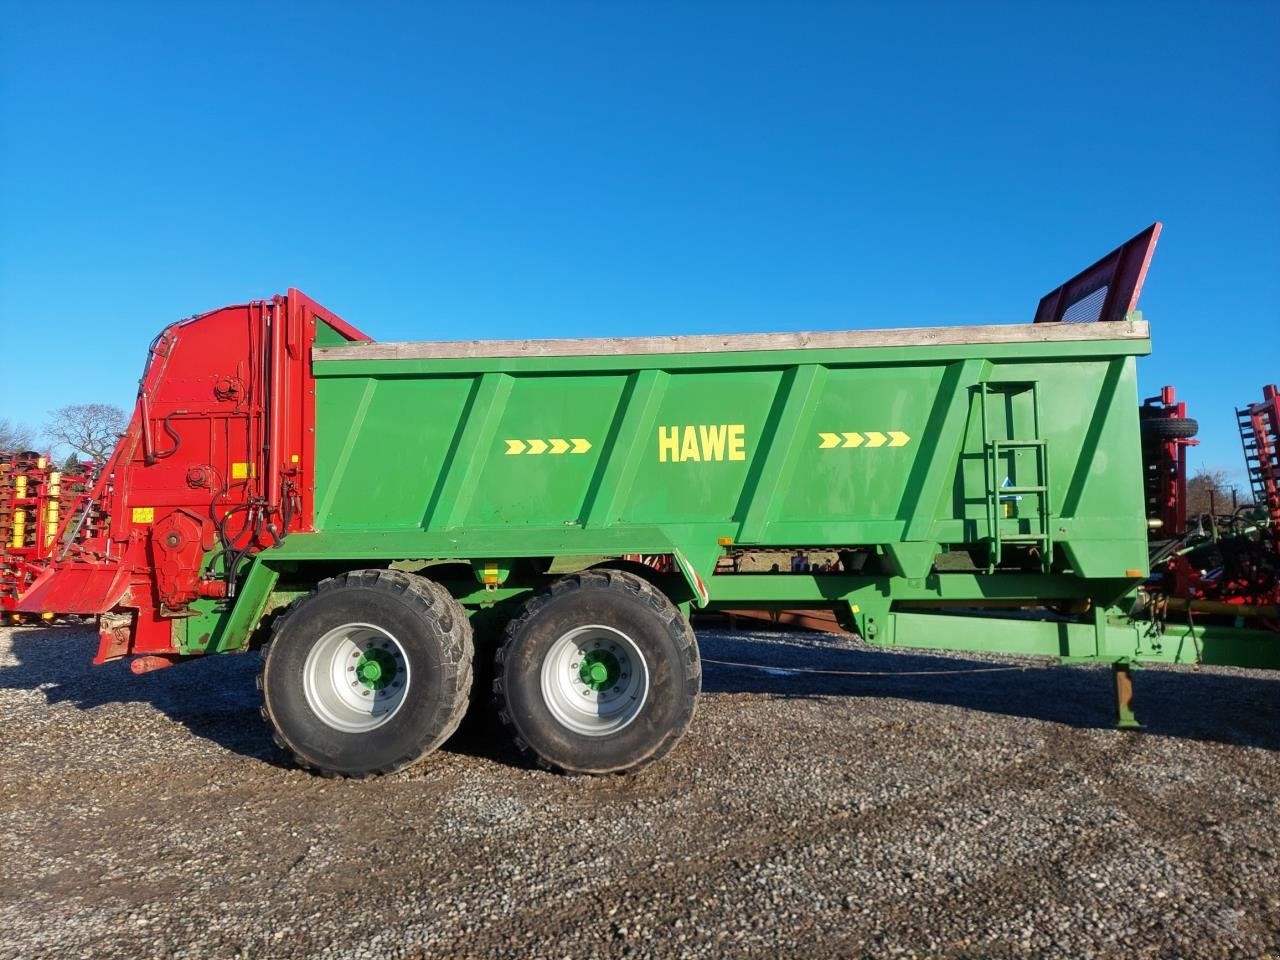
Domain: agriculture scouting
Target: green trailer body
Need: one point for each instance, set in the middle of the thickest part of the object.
(886, 440)
(898, 439)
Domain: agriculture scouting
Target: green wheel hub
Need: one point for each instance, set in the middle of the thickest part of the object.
(376, 668)
(599, 670)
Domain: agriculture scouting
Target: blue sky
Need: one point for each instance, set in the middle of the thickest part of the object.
(436, 171)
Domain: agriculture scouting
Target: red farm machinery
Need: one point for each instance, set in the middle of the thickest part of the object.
(1222, 563)
(36, 501)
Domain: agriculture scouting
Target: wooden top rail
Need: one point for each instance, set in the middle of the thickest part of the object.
(737, 343)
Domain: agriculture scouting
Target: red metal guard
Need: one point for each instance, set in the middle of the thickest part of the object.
(1106, 291)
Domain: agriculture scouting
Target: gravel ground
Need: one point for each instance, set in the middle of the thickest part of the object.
(970, 814)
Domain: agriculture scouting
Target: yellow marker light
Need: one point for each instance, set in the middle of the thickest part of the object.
(725, 541)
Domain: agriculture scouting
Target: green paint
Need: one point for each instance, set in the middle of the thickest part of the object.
(221, 626)
(376, 668)
(455, 490)
(1125, 717)
(599, 670)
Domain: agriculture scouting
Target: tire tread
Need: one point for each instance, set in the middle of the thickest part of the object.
(431, 599)
(603, 578)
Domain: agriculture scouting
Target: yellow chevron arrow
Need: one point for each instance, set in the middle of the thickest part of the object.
(558, 445)
(580, 445)
(898, 439)
(853, 439)
(829, 440)
(537, 446)
(875, 438)
(514, 447)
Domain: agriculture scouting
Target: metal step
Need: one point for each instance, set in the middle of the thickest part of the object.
(1006, 444)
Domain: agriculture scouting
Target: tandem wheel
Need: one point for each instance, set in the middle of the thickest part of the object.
(598, 675)
(367, 674)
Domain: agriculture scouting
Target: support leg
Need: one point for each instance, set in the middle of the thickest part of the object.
(1125, 719)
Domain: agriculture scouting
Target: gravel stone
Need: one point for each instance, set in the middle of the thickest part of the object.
(930, 811)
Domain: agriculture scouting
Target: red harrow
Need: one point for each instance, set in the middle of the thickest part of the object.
(36, 501)
(1226, 563)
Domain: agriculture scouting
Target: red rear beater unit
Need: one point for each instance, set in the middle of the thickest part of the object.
(224, 425)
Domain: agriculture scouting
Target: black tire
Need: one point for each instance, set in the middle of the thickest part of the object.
(480, 720)
(614, 600)
(1170, 428)
(433, 637)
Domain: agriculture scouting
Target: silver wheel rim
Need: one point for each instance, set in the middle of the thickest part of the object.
(356, 677)
(595, 680)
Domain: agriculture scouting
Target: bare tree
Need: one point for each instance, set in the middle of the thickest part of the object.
(15, 436)
(91, 428)
(1209, 491)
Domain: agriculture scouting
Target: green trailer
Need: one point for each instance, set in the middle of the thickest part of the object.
(384, 516)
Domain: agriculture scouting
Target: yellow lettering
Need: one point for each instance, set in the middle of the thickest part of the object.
(713, 436)
(668, 444)
(689, 448)
(703, 442)
(737, 441)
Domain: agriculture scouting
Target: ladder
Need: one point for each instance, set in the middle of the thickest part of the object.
(997, 495)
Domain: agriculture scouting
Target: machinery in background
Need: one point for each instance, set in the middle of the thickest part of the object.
(36, 501)
(1223, 565)
(1260, 436)
(1167, 434)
